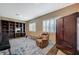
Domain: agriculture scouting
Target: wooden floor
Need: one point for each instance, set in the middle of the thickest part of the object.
(55, 51)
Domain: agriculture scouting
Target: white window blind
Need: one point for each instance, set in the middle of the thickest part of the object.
(32, 26)
(49, 25)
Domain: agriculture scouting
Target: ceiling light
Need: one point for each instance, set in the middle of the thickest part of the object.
(20, 17)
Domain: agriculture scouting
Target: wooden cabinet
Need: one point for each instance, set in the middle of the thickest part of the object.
(66, 33)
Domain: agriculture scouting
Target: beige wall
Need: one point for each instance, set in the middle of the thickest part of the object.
(59, 13)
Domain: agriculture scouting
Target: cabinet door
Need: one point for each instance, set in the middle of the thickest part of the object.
(0, 25)
(59, 31)
(70, 32)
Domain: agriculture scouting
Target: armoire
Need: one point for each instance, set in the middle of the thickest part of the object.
(67, 34)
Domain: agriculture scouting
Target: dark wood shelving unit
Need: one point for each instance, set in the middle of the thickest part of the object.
(11, 28)
(4, 26)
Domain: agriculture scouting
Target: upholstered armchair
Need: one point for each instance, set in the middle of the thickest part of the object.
(42, 41)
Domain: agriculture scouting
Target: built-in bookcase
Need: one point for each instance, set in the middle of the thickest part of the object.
(4, 26)
(13, 29)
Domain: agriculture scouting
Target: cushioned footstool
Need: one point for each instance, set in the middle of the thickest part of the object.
(39, 43)
(42, 43)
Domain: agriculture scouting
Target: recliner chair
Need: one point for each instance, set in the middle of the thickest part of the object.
(4, 42)
(42, 41)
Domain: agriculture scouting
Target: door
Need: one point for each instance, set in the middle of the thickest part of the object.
(59, 31)
(70, 33)
(78, 33)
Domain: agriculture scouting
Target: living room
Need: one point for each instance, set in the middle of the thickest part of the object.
(33, 30)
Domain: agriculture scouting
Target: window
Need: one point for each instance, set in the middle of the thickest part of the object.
(49, 25)
(46, 26)
(32, 27)
(52, 25)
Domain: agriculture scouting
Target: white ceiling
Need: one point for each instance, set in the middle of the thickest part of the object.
(27, 11)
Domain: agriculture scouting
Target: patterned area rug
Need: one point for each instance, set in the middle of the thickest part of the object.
(26, 46)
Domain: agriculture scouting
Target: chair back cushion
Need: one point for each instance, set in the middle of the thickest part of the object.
(45, 35)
